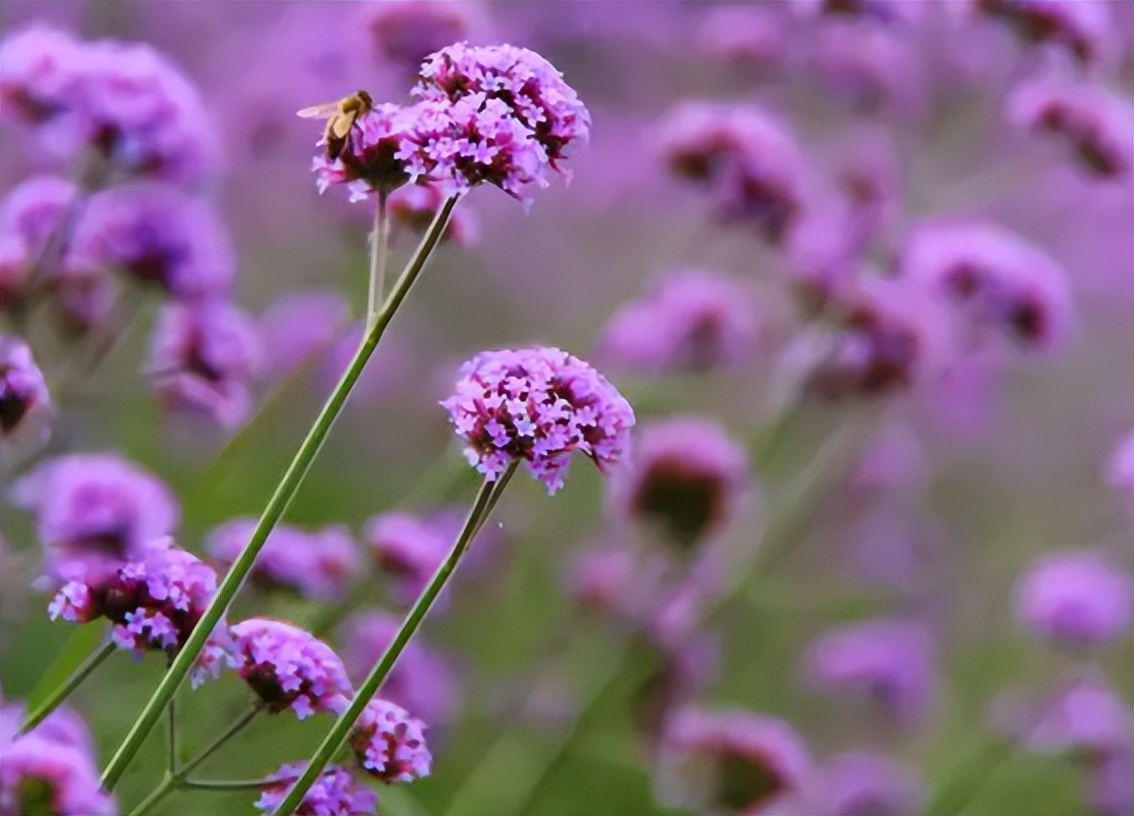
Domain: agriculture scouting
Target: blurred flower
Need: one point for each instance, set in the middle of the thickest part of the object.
(1075, 598)
(29, 216)
(731, 761)
(1120, 466)
(1111, 791)
(24, 400)
(40, 773)
(691, 320)
(40, 66)
(408, 549)
(612, 581)
(686, 479)
(415, 205)
(870, 66)
(201, 358)
(1087, 719)
(335, 793)
(887, 660)
(683, 671)
(1092, 120)
(421, 681)
(537, 405)
(157, 235)
(390, 744)
(1000, 280)
(748, 35)
(62, 726)
(1080, 27)
(864, 783)
(316, 564)
(881, 11)
(300, 324)
(405, 32)
(95, 511)
(288, 667)
(893, 462)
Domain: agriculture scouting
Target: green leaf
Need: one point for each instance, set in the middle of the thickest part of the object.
(79, 647)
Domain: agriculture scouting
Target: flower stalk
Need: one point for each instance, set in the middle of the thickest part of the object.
(379, 251)
(56, 698)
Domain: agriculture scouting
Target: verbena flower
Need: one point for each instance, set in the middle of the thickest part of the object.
(415, 205)
(1111, 785)
(870, 67)
(29, 216)
(41, 774)
(750, 36)
(877, 11)
(864, 782)
(300, 324)
(63, 726)
(376, 156)
(335, 793)
(96, 511)
(316, 564)
(289, 668)
(405, 32)
(408, 549)
(390, 744)
(1075, 598)
(40, 66)
(1080, 28)
(686, 479)
(1088, 720)
(202, 357)
(24, 399)
(731, 761)
(537, 405)
(691, 320)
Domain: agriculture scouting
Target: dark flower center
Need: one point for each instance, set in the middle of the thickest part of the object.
(686, 502)
(12, 410)
(36, 797)
(744, 782)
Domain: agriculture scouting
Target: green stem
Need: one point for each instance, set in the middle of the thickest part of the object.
(379, 248)
(285, 491)
(85, 669)
(171, 735)
(235, 784)
(486, 497)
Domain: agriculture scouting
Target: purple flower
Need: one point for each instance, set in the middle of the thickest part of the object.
(156, 234)
(1075, 598)
(33, 209)
(300, 324)
(415, 205)
(62, 726)
(39, 774)
(537, 405)
(1120, 466)
(407, 31)
(407, 548)
(1111, 791)
(1087, 719)
(686, 479)
(390, 744)
(879, 11)
(95, 511)
(1093, 121)
(336, 793)
(202, 357)
(731, 761)
(289, 668)
(750, 36)
(863, 783)
(870, 66)
(378, 155)
(690, 320)
(1078, 27)
(40, 67)
(999, 280)
(889, 661)
(317, 564)
(421, 681)
(24, 400)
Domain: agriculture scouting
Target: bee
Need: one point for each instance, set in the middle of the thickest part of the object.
(340, 116)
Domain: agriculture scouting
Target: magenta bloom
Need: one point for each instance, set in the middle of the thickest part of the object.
(1088, 719)
(691, 320)
(300, 324)
(24, 400)
(686, 480)
(537, 405)
(731, 761)
(336, 793)
(201, 359)
(415, 205)
(316, 564)
(95, 511)
(747, 35)
(870, 66)
(378, 156)
(63, 726)
(407, 31)
(1075, 598)
(39, 774)
(889, 661)
(40, 67)
(1111, 791)
(32, 210)
(408, 549)
(878, 11)
(1078, 27)
(390, 744)
(863, 783)
(289, 668)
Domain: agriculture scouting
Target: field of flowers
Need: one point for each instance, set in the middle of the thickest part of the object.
(579, 409)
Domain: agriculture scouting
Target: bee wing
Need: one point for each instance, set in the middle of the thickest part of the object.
(324, 111)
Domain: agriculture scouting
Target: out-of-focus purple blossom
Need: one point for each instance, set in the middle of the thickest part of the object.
(405, 32)
(202, 357)
(747, 35)
(157, 235)
(691, 320)
(289, 667)
(24, 399)
(377, 154)
(889, 661)
(1087, 719)
(879, 11)
(731, 761)
(895, 461)
(868, 176)
(863, 783)
(686, 479)
(1075, 598)
(870, 66)
(1092, 120)
(537, 405)
(83, 295)
(300, 324)
(392, 371)
(682, 674)
(1120, 466)
(415, 205)
(33, 209)
(335, 793)
(62, 726)
(751, 163)
(421, 681)
(1080, 27)
(390, 744)
(39, 774)
(609, 581)
(95, 511)
(317, 564)
(40, 67)
(1111, 785)
(407, 548)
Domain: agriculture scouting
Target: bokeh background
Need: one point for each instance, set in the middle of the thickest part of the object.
(925, 502)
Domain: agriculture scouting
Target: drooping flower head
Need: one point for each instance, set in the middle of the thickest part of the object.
(24, 399)
(40, 66)
(1074, 598)
(316, 564)
(692, 320)
(863, 782)
(537, 405)
(335, 793)
(289, 667)
(390, 744)
(50, 772)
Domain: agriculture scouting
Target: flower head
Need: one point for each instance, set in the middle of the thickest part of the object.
(537, 405)
(863, 782)
(33, 209)
(407, 31)
(747, 35)
(1087, 719)
(1078, 27)
(390, 744)
(415, 205)
(335, 793)
(289, 667)
(1075, 598)
(379, 154)
(300, 324)
(39, 774)
(407, 548)
(24, 399)
(40, 66)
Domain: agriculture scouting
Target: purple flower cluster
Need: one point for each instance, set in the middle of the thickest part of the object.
(300, 324)
(408, 549)
(24, 400)
(863, 782)
(390, 744)
(29, 215)
(1075, 598)
(336, 792)
(537, 405)
(415, 205)
(1079, 28)
(405, 32)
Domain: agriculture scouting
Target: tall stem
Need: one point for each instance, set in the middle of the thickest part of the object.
(379, 249)
(285, 491)
(486, 497)
(85, 669)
